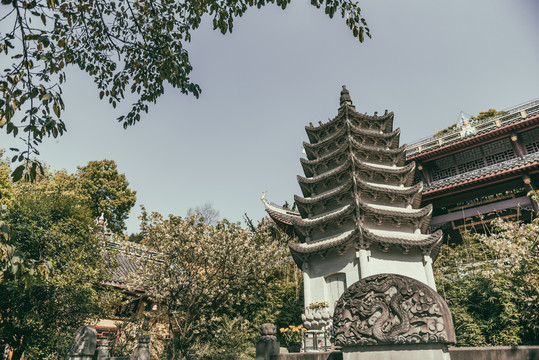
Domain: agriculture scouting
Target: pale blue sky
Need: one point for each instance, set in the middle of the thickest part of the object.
(278, 71)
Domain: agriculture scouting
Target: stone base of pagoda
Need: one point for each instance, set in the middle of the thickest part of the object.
(397, 352)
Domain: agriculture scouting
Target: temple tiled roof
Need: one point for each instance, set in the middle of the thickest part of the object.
(123, 256)
(409, 195)
(341, 155)
(320, 223)
(127, 265)
(381, 123)
(361, 237)
(397, 217)
(318, 184)
(374, 193)
(361, 136)
(343, 172)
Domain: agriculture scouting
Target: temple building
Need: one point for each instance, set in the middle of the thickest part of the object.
(126, 256)
(480, 170)
(359, 213)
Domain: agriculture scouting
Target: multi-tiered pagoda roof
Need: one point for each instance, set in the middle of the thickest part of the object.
(357, 191)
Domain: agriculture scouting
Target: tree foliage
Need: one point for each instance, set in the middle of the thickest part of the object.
(107, 192)
(209, 278)
(129, 48)
(487, 114)
(53, 226)
(491, 285)
(12, 262)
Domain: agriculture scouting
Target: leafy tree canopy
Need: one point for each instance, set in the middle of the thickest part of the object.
(487, 114)
(127, 46)
(13, 263)
(51, 225)
(491, 285)
(107, 192)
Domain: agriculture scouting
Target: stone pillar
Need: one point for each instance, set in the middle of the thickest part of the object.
(363, 256)
(268, 344)
(142, 351)
(426, 177)
(427, 264)
(102, 349)
(519, 150)
(306, 285)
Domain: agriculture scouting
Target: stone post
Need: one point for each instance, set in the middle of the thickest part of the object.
(142, 351)
(268, 344)
(363, 256)
(102, 349)
(427, 264)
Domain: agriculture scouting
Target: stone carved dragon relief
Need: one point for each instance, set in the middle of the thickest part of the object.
(391, 309)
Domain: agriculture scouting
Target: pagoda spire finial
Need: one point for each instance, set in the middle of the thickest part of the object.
(345, 97)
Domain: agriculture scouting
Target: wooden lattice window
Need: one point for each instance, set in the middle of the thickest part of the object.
(499, 151)
(469, 160)
(530, 139)
(438, 174)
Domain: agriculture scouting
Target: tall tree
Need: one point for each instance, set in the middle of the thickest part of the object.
(107, 191)
(127, 46)
(47, 225)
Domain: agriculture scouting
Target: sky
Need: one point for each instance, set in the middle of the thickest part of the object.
(279, 70)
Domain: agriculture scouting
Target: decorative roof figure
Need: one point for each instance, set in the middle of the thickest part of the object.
(359, 214)
(345, 97)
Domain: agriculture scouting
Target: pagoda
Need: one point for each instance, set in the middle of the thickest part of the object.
(359, 213)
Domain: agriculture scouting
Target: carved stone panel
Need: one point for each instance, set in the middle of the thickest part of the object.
(391, 309)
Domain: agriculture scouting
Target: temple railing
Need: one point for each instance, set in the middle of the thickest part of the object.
(511, 115)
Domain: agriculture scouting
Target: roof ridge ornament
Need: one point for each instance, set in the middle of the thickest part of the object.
(345, 97)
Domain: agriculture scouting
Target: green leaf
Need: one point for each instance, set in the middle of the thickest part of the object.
(17, 173)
